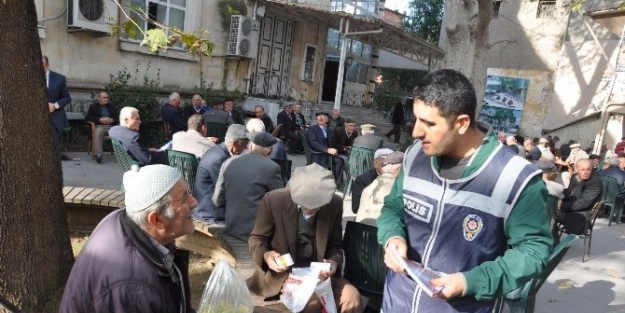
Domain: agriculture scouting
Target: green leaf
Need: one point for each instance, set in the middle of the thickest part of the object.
(131, 30)
(155, 39)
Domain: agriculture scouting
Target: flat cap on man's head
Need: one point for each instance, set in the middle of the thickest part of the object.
(236, 132)
(394, 158)
(217, 101)
(367, 127)
(350, 120)
(575, 145)
(546, 166)
(262, 139)
(543, 140)
(146, 185)
(312, 186)
(322, 113)
(382, 153)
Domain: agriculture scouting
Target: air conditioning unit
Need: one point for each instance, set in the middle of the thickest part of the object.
(91, 15)
(243, 38)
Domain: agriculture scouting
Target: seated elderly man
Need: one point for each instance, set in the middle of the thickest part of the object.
(104, 115)
(194, 140)
(515, 146)
(304, 220)
(342, 139)
(171, 113)
(548, 169)
(583, 192)
(365, 179)
(130, 262)
(278, 150)
(128, 134)
(372, 198)
(368, 139)
(242, 183)
(545, 152)
(208, 172)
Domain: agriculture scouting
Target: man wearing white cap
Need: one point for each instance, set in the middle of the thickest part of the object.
(303, 220)
(368, 139)
(130, 262)
(365, 179)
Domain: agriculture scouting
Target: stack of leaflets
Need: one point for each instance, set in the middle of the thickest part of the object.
(421, 275)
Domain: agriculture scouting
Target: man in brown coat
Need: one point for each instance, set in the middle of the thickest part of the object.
(304, 220)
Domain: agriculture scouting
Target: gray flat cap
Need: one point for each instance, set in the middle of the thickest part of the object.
(394, 158)
(262, 139)
(236, 132)
(312, 186)
(546, 166)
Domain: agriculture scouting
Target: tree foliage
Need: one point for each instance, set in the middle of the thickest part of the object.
(424, 19)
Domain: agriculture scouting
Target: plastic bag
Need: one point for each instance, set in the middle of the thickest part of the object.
(226, 292)
(297, 291)
(326, 297)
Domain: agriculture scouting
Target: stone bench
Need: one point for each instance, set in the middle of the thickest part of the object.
(100, 201)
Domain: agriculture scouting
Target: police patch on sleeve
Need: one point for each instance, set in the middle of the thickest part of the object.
(417, 208)
(472, 226)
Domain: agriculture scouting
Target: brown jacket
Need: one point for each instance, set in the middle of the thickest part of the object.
(276, 229)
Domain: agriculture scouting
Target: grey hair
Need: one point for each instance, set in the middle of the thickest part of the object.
(126, 112)
(390, 168)
(255, 125)
(196, 122)
(614, 161)
(529, 142)
(173, 96)
(260, 149)
(367, 131)
(162, 206)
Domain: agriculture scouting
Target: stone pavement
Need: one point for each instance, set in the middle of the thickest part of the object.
(595, 286)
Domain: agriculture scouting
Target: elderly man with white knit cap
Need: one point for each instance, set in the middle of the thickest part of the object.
(130, 262)
(303, 220)
(365, 179)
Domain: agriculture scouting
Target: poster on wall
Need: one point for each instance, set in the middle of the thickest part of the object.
(503, 102)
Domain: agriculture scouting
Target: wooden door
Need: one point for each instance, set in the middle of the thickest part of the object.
(274, 57)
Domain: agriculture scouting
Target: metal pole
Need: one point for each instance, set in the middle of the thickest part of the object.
(340, 78)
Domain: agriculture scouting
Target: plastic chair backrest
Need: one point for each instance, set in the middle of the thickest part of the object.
(307, 149)
(185, 163)
(523, 299)
(594, 213)
(285, 169)
(610, 189)
(217, 130)
(276, 131)
(552, 206)
(364, 259)
(360, 161)
(125, 160)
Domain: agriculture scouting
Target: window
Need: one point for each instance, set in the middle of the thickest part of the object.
(546, 9)
(309, 63)
(333, 38)
(352, 73)
(496, 6)
(363, 73)
(168, 12)
(363, 8)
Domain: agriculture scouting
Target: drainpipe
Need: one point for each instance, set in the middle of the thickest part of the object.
(340, 78)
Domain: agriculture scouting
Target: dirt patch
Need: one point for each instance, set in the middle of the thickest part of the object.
(200, 267)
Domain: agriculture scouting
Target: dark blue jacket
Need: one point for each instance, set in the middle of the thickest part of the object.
(120, 270)
(318, 142)
(58, 93)
(205, 180)
(616, 172)
(174, 117)
(133, 143)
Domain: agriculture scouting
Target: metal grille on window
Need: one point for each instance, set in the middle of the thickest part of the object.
(546, 9)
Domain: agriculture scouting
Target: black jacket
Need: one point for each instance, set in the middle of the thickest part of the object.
(95, 113)
(578, 200)
(365, 179)
(339, 139)
(398, 115)
(174, 117)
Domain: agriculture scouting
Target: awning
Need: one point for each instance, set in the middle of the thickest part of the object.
(612, 19)
(391, 39)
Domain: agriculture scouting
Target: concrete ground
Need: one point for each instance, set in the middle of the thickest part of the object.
(595, 286)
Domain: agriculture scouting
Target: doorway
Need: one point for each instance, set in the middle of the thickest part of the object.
(330, 76)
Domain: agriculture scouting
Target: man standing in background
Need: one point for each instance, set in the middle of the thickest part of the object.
(58, 98)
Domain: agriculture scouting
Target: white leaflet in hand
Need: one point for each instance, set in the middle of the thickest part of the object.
(316, 267)
(421, 275)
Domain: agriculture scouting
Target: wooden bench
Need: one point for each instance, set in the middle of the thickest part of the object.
(100, 201)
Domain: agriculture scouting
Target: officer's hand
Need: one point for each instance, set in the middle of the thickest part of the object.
(389, 256)
(454, 284)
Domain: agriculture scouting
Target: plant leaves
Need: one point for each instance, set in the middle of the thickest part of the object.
(155, 39)
(131, 30)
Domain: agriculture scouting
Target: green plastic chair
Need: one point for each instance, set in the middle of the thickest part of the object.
(364, 259)
(216, 130)
(360, 160)
(523, 300)
(185, 163)
(285, 169)
(610, 189)
(309, 152)
(552, 206)
(124, 159)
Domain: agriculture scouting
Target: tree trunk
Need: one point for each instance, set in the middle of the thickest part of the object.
(464, 37)
(35, 253)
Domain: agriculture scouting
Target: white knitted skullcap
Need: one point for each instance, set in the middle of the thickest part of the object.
(144, 186)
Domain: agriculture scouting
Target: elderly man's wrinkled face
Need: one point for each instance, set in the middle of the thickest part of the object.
(103, 98)
(335, 114)
(197, 101)
(134, 122)
(584, 169)
(239, 145)
(259, 112)
(298, 109)
(288, 109)
(501, 137)
(322, 119)
(183, 204)
(228, 105)
(349, 127)
(622, 164)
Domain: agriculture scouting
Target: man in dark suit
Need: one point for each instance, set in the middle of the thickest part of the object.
(208, 172)
(234, 114)
(335, 121)
(397, 120)
(299, 119)
(196, 107)
(58, 98)
(171, 113)
(242, 183)
(368, 139)
(318, 137)
(128, 134)
(278, 150)
(103, 115)
(583, 192)
(303, 220)
(288, 130)
(259, 111)
(342, 139)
